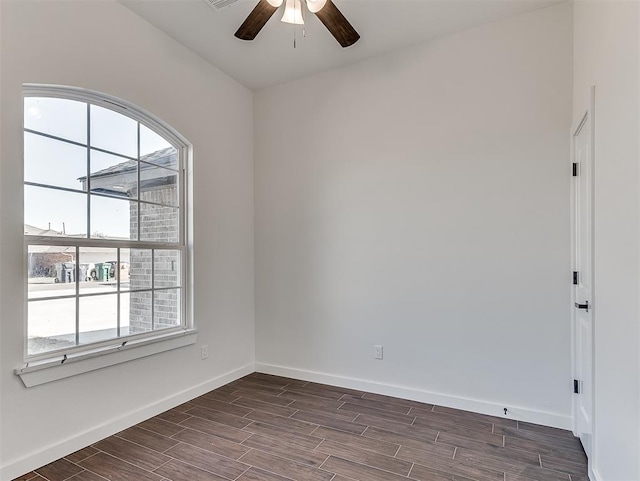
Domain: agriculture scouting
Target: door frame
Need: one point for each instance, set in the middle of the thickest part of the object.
(588, 115)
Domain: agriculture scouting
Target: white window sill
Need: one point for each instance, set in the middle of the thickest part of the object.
(41, 372)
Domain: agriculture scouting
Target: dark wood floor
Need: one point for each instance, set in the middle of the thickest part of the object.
(267, 428)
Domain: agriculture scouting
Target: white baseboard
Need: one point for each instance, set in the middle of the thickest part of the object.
(67, 446)
(474, 405)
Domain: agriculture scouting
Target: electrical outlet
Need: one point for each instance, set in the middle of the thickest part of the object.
(204, 352)
(377, 351)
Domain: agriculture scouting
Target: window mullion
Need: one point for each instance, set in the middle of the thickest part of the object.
(70, 241)
(77, 296)
(88, 171)
(55, 137)
(118, 273)
(88, 221)
(54, 187)
(56, 298)
(182, 178)
(153, 285)
(139, 205)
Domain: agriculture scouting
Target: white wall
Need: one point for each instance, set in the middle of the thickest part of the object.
(420, 200)
(104, 46)
(607, 50)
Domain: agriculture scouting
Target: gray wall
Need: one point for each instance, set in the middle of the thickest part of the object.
(104, 46)
(420, 200)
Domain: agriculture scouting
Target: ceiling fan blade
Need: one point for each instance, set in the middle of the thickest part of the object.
(257, 19)
(338, 25)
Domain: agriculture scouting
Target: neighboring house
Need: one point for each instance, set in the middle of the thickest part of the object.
(158, 184)
(43, 260)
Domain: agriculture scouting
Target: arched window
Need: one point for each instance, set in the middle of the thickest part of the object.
(105, 205)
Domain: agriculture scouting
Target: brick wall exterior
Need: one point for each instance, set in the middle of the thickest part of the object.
(158, 223)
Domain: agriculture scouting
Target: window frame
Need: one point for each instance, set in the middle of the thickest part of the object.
(184, 244)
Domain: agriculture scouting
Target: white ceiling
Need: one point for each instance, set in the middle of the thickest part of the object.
(384, 25)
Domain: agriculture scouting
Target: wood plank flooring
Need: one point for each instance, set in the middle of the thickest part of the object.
(268, 428)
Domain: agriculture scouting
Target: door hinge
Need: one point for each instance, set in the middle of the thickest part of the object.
(575, 278)
(576, 386)
(584, 306)
(575, 169)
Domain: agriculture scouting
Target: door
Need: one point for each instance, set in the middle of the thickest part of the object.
(583, 189)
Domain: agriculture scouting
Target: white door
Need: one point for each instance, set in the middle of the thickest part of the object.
(583, 184)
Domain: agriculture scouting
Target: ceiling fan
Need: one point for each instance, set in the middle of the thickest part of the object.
(325, 10)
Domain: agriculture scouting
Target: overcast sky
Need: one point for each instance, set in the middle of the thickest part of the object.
(52, 162)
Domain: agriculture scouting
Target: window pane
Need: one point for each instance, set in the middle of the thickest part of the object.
(158, 185)
(98, 270)
(53, 162)
(114, 132)
(124, 185)
(150, 142)
(158, 223)
(166, 268)
(113, 175)
(52, 325)
(63, 118)
(125, 306)
(111, 218)
(55, 210)
(51, 271)
(166, 308)
(167, 158)
(98, 318)
(139, 312)
(124, 269)
(139, 270)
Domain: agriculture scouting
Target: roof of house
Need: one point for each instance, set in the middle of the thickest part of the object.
(33, 230)
(161, 158)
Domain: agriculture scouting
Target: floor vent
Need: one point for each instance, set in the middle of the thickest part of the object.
(219, 4)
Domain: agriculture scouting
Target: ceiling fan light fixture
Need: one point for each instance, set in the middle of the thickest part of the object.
(293, 12)
(315, 6)
(326, 11)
